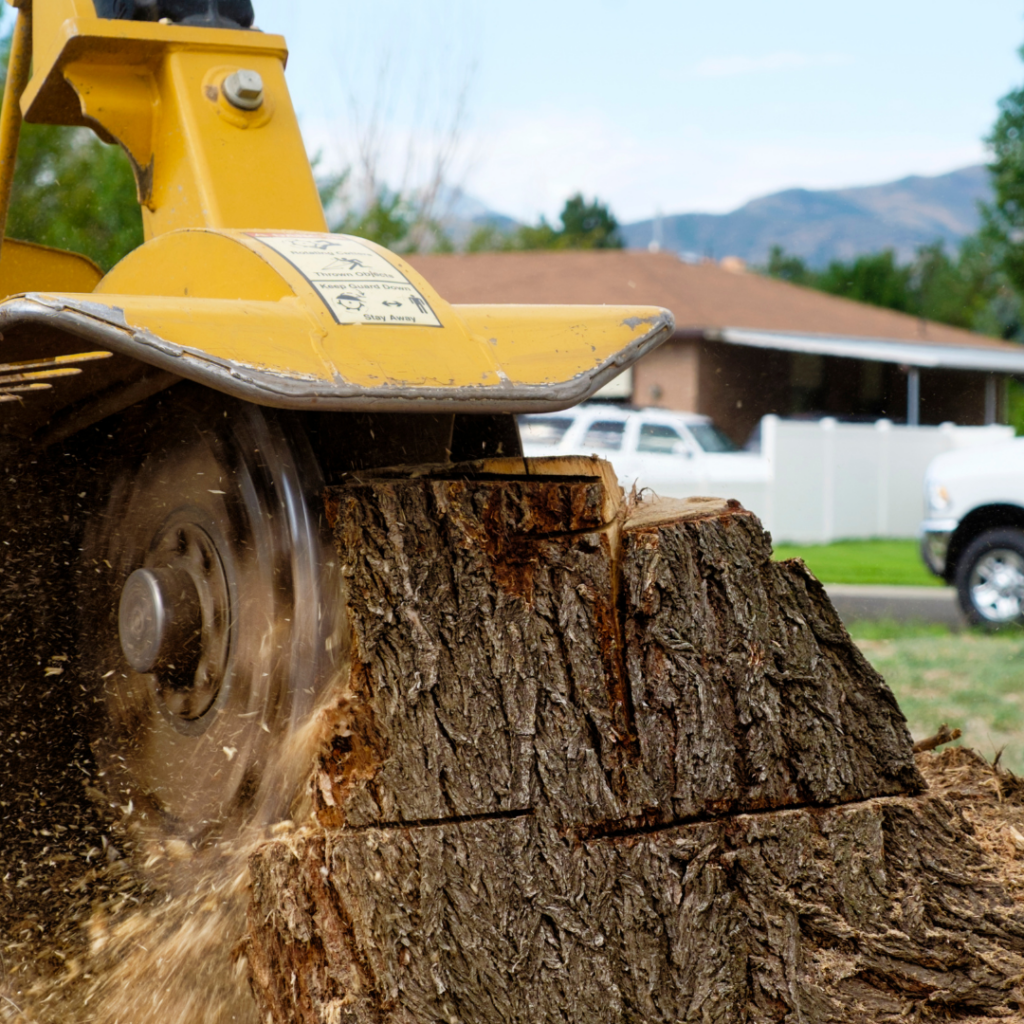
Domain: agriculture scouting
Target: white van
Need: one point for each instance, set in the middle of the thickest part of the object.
(675, 454)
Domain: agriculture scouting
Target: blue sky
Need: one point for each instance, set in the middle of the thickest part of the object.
(666, 105)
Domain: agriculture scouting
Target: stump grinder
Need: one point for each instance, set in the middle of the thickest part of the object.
(222, 372)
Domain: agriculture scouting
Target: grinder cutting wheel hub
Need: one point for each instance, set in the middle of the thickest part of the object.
(160, 623)
(224, 367)
(228, 620)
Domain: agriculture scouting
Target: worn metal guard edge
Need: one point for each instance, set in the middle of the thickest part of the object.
(106, 327)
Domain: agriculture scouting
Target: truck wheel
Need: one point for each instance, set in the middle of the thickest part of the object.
(990, 578)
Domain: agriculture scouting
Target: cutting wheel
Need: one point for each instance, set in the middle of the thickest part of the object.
(211, 615)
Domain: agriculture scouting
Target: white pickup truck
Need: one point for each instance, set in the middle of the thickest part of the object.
(676, 454)
(973, 535)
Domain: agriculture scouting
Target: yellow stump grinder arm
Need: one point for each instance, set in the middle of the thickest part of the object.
(227, 366)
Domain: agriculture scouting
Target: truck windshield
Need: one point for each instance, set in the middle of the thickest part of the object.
(656, 437)
(711, 439)
(604, 435)
(544, 429)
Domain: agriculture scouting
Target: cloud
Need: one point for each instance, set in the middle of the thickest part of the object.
(530, 164)
(729, 67)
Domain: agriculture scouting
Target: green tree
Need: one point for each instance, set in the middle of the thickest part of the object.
(588, 226)
(1003, 226)
(488, 237)
(390, 219)
(786, 267)
(73, 191)
(1004, 216)
(875, 278)
(967, 289)
(386, 221)
(585, 225)
(536, 236)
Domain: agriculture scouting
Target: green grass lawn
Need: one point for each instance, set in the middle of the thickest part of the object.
(863, 561)
(969, 680)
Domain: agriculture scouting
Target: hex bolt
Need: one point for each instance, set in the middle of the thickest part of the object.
(244, 89)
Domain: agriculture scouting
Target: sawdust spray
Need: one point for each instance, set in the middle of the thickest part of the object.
(144, 931)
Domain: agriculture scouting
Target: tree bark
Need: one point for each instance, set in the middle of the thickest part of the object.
(852, 913)
(597, 762)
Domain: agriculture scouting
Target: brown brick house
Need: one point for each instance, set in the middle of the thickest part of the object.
(746, 345)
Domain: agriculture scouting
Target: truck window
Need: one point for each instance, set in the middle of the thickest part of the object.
(711, 439)
(656, 437)
(604, 435)
(544, 429)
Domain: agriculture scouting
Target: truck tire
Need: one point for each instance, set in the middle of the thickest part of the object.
(990, 578)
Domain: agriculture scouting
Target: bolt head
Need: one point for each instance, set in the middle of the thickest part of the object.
(244, 89)
(159, 611)
(142, 620)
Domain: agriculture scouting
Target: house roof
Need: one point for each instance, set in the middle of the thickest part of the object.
(737, 308)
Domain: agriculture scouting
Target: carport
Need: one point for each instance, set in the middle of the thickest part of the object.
(910, 357)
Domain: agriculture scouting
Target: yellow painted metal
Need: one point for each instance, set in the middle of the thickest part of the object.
(156, 89)
(220, 291)
(279, 337)
(185, 288)
(200, 264)
(18, 68)
(287, 338)
(545, 344)
(27, 267)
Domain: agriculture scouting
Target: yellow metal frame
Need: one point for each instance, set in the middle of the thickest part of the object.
(227, 195)
(156, 90)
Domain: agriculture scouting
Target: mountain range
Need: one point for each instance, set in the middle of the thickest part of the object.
(824, 225)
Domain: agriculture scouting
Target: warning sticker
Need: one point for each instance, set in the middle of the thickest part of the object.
(358, 285)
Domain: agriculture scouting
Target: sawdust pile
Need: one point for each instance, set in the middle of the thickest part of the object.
(991, 800)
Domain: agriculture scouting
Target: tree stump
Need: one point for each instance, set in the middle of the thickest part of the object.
(607, 762)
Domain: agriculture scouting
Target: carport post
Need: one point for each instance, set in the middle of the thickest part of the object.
(991, 410)
(913, 396)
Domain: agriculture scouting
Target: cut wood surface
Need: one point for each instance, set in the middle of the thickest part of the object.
(603, 762)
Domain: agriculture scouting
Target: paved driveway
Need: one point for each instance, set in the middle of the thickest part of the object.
(925, 604)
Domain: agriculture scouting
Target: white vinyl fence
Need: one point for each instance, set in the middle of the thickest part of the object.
(832, 481)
